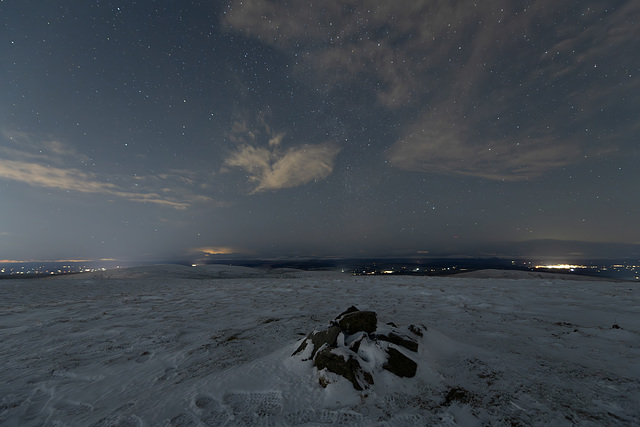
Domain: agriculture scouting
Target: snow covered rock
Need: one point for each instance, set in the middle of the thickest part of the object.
(354, 320)
(350, 348)
(346, 365)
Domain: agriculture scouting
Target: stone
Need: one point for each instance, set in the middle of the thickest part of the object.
(365, 321)
(355, 345)
(399, 364)
(302, 346)
(349, 368)
(318, 339)
(396, 339)
(351, 309)
(331, 352)
(328, 337)
(416, 330)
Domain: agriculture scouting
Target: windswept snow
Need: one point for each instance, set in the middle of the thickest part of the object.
(211, 345)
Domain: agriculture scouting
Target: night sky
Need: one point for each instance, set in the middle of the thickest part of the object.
(154, 130)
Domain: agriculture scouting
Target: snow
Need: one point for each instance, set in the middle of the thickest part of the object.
(211, 345)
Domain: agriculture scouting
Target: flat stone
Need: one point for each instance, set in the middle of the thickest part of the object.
(365, 321)
(399, 364)
(396, 339)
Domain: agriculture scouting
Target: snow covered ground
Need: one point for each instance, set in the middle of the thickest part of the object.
(211, 345)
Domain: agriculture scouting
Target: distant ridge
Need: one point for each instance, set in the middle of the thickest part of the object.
(521, 274)
(209, 271)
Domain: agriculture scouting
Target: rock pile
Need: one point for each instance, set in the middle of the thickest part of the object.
(354, 347)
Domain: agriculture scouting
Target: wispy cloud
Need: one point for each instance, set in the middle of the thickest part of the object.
(71, 179)
(478, 82)
(51, 164)
(271, 167)
(438, 146)
(28, 147)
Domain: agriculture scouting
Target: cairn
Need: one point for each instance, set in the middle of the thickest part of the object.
(351, 347)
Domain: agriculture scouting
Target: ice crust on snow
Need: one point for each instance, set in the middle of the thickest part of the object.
(188, 346)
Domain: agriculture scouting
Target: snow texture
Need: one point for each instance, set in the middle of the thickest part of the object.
(194, 346)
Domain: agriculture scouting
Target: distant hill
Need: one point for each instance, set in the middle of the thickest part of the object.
(521, 274)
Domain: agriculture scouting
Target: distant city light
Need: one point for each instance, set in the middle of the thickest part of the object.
(561, 266)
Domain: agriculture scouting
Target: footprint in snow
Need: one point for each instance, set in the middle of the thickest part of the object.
(144, 356)
(211, 411)
(249, 406)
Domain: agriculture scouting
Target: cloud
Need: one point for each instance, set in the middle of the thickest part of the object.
(75, 180)
(438, 146)
(28, 147)
(338, 41)
(501, 91)
(51, 177)
(45, 163)
(404, 50)
(270, 166)
(272, 170)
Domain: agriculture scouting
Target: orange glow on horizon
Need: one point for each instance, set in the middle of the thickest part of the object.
(216, 250)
